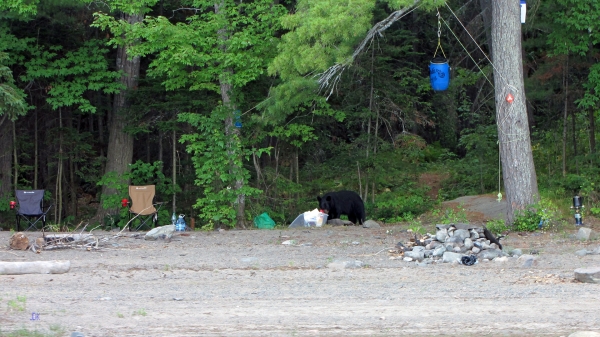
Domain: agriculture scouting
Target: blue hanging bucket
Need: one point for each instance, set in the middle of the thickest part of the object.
(439, 74)
(238, 118)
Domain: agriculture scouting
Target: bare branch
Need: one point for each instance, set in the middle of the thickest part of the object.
(329, 78)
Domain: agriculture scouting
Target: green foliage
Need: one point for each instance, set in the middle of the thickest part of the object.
(543, 215)
(73, 73)
(218, 161)
(320, 34)
(497, 226)
(56, 331)
(21, 9)
(416, 226)
(139, 173)
(236, 57)
(141, 312)
(526, 220)
(18, 304)
(392, 207)
(452, 215)
(12, 99)
(577, 26)
(590, 98)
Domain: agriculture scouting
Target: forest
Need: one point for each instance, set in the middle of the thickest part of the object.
(223, 106)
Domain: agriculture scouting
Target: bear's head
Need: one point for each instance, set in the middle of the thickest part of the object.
(325, 204)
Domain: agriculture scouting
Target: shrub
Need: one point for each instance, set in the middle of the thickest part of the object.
(496, 226)
(544, 214)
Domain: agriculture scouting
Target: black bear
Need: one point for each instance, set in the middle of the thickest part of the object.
(343, 202)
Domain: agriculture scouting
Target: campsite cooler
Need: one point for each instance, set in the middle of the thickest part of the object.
(310, 219)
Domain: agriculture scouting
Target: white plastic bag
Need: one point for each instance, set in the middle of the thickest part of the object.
(312, 218)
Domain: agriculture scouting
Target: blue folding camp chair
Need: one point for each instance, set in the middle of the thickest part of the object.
(30, 207)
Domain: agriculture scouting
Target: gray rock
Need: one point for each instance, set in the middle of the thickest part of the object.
(596, 251)
(588, 275)
(449, 247)
(468, 243)
(407, 259)
(439, 251)
(490, 254)
(582, 252)
(415, 255)
(336, 222)
(527, 260)
(493, 246)
(584, 233)
(501, 259)
(76, 334)
(454, 239)
(474, 235)
(428, 253)
(516, 252)
(371, 224)
(418, 249)
(475, 250)
(162, 232)
(435, 244)
(485, 245)
(451, 257)
(462, 234)
(350, 264)
(441, 235)
(459, 226)
(585, 334)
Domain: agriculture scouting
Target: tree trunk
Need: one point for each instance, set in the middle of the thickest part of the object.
(35, 150)
(565, 115)
(6, 157)
(520, 181)
(486, 15)
(230, 130)
(174, 168)
(234, 133)
(15, 157)
(120, 144)
(591, 117)
(573, 122)
(58, 187)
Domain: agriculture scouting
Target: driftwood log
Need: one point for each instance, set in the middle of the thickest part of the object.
(34, 267)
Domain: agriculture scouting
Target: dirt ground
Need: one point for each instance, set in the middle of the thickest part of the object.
(247, 283)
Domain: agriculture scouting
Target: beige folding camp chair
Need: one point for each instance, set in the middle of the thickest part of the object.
(143, 206)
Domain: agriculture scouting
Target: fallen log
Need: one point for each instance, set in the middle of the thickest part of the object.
(34, 267)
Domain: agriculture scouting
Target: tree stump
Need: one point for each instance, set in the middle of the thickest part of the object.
(19, 241)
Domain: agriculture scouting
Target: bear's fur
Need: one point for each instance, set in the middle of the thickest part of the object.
(340, 203)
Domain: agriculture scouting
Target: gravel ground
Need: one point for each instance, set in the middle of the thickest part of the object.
(246, 283)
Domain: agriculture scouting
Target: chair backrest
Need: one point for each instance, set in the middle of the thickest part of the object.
(141, 199)
(30, 202)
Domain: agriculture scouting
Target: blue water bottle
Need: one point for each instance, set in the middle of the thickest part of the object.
(180, 225)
